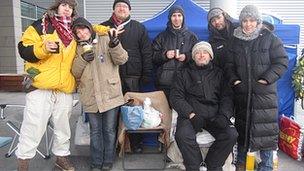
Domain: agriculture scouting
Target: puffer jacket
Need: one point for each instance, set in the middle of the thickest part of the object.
(220, 40)
(55, 69)
(136, 42)
(256, 104)
(100, 85)
(201, 90)
(171, 39)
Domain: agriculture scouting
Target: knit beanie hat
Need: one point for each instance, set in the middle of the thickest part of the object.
(250, 11)
(214, 12)
(72, 3)
(176, 9)
(200, 46)
(123, 1)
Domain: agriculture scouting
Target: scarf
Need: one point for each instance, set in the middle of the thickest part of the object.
(239, 33)
(62, 25)
(116, 20)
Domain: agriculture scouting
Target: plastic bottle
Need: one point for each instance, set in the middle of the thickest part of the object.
(250, 160)
(275, 161)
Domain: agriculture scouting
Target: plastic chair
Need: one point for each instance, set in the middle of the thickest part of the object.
(16, 129)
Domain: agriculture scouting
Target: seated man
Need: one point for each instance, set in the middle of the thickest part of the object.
(203, 101)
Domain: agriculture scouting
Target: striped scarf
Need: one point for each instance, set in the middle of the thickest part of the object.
(62, 26)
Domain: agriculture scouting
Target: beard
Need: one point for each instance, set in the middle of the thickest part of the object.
(202, 63)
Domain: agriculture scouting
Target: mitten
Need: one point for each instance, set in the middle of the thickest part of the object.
(197, 123)
(88, 56)
(114, 41)
(221, 121)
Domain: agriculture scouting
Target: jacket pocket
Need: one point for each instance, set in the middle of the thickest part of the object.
(114, 88)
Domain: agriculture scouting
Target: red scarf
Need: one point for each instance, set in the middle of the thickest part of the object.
(62, 26)
(116, 21)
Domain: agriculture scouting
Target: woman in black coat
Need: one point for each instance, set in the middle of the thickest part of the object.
(257, 60)
(175, 38)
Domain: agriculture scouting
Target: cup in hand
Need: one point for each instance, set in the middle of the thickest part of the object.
(87, 48)
(55, 49)
(176, 53)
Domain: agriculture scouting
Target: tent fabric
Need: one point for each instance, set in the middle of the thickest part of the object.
(285, 90)
(196, 21)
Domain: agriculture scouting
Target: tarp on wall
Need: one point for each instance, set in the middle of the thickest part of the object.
(196, 21)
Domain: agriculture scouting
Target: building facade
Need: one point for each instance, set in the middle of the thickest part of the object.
(16, 15)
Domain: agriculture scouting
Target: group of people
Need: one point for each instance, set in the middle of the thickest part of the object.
(234, 75)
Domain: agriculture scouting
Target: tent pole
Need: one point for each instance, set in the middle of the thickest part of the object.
(230, 6)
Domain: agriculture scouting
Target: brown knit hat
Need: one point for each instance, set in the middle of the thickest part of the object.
(123, 1)
(72, 3)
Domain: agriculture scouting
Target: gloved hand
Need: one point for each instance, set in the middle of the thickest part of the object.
(27, 82)
(114, 41)
(88, 56)
(220, 121)
(197, 123)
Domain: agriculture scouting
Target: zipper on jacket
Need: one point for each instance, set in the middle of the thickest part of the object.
(248, 105)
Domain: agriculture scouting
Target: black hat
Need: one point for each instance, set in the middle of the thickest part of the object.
(175, 9)
(124, 1)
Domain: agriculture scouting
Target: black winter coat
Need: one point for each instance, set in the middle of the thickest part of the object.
(136, 42)
(201, 90)
(220, 41)
(256, 104)
(171, 39)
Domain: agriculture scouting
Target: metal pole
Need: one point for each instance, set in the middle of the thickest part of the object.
(230, 6)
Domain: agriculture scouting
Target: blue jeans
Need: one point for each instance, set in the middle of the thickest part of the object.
(266, 156)
(103, 128)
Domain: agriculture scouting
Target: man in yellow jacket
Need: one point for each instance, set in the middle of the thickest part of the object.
(48, 47)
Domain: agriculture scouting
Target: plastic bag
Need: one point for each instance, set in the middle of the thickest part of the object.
(151, 116)
(173, 125)
(291, 137)
(132, 116)
(82, 132)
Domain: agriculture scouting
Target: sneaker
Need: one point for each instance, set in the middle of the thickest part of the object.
(23, 164)
(64, 164)
(107, 166)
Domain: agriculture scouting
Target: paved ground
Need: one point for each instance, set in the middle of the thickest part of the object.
(80, 154)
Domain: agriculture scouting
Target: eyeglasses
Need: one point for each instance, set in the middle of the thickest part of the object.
(121, 5)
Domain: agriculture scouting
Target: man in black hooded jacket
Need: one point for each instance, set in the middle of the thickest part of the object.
(201, 97)
(221, 27)
(172, 49)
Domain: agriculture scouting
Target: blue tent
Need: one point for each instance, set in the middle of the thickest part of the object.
(196, 20)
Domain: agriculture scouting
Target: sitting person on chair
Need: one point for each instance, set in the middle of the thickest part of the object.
(96, 66)
(203, 101)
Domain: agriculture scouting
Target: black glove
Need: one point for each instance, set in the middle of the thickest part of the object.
(88, 56)
(197, 123)
(220, 121)
(114, 41)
